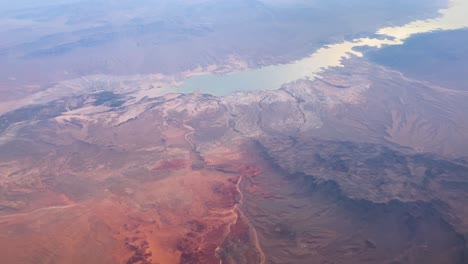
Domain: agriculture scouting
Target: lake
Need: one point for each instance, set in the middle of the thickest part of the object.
(274, 76)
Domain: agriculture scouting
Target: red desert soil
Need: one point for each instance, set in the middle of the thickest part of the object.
(174, 164)
(170, 186)
(178, 213)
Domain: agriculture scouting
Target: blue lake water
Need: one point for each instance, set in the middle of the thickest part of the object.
(273, 77)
